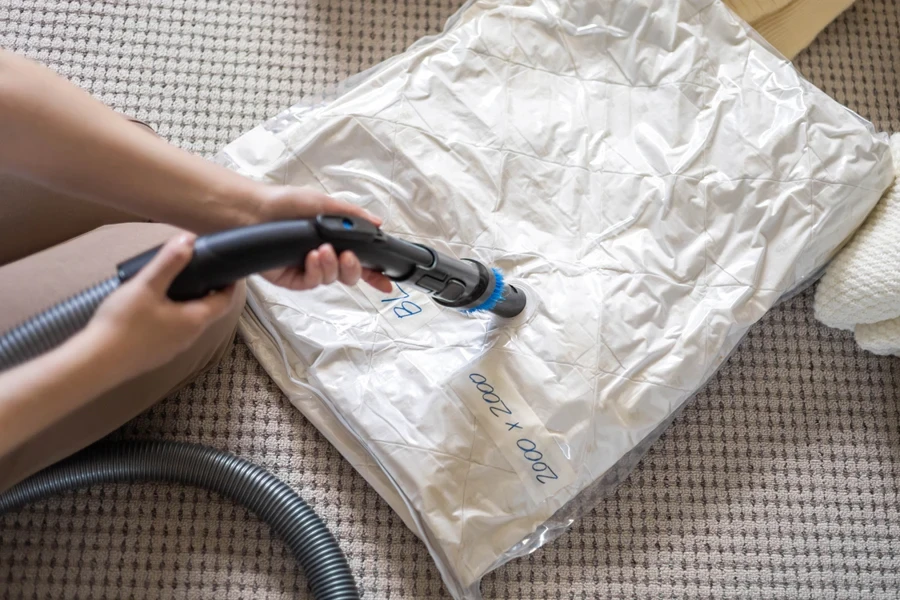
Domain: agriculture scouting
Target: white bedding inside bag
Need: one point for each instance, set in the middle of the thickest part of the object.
(650, 171)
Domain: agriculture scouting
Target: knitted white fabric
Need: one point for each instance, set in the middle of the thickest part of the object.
(880, 338)
(860, 290)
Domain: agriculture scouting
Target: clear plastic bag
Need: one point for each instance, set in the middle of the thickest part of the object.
(650, 171)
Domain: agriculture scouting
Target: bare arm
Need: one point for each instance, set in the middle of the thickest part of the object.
(57, 135)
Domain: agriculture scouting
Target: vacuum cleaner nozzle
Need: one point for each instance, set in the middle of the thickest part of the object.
(466, 285)
(463, 284)
(227, 256)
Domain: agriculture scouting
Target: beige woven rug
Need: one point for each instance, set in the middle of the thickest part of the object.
(781, 479)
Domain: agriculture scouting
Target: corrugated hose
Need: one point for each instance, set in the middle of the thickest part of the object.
(327, 571)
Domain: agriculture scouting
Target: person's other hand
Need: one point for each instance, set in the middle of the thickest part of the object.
(143, 326)
(322, 266)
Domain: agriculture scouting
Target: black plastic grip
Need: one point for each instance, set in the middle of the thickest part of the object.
(222, 258)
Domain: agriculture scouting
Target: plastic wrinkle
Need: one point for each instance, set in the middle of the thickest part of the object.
(651, 173)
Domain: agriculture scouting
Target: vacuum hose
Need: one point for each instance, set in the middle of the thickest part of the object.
(327, 572)
(49, 329)
(219, 260)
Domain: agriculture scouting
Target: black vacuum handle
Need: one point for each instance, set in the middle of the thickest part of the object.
(222, 258)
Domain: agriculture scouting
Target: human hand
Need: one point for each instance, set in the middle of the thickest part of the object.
(142, 327)
(322, 266)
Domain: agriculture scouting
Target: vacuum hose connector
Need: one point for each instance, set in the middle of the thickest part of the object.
(223, 258)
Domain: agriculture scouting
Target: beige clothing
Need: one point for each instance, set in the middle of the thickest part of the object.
(789, 25)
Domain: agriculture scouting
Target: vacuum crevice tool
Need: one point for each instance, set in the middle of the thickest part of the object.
(222, 258)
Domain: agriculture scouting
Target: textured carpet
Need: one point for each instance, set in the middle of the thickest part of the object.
(781, 479)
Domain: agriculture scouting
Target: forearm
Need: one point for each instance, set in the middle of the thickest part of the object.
(57, 135)
(38, 393)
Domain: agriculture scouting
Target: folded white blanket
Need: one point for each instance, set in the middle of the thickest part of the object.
(860, 291)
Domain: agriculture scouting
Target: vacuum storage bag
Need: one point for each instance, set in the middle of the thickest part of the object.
(654, 176)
